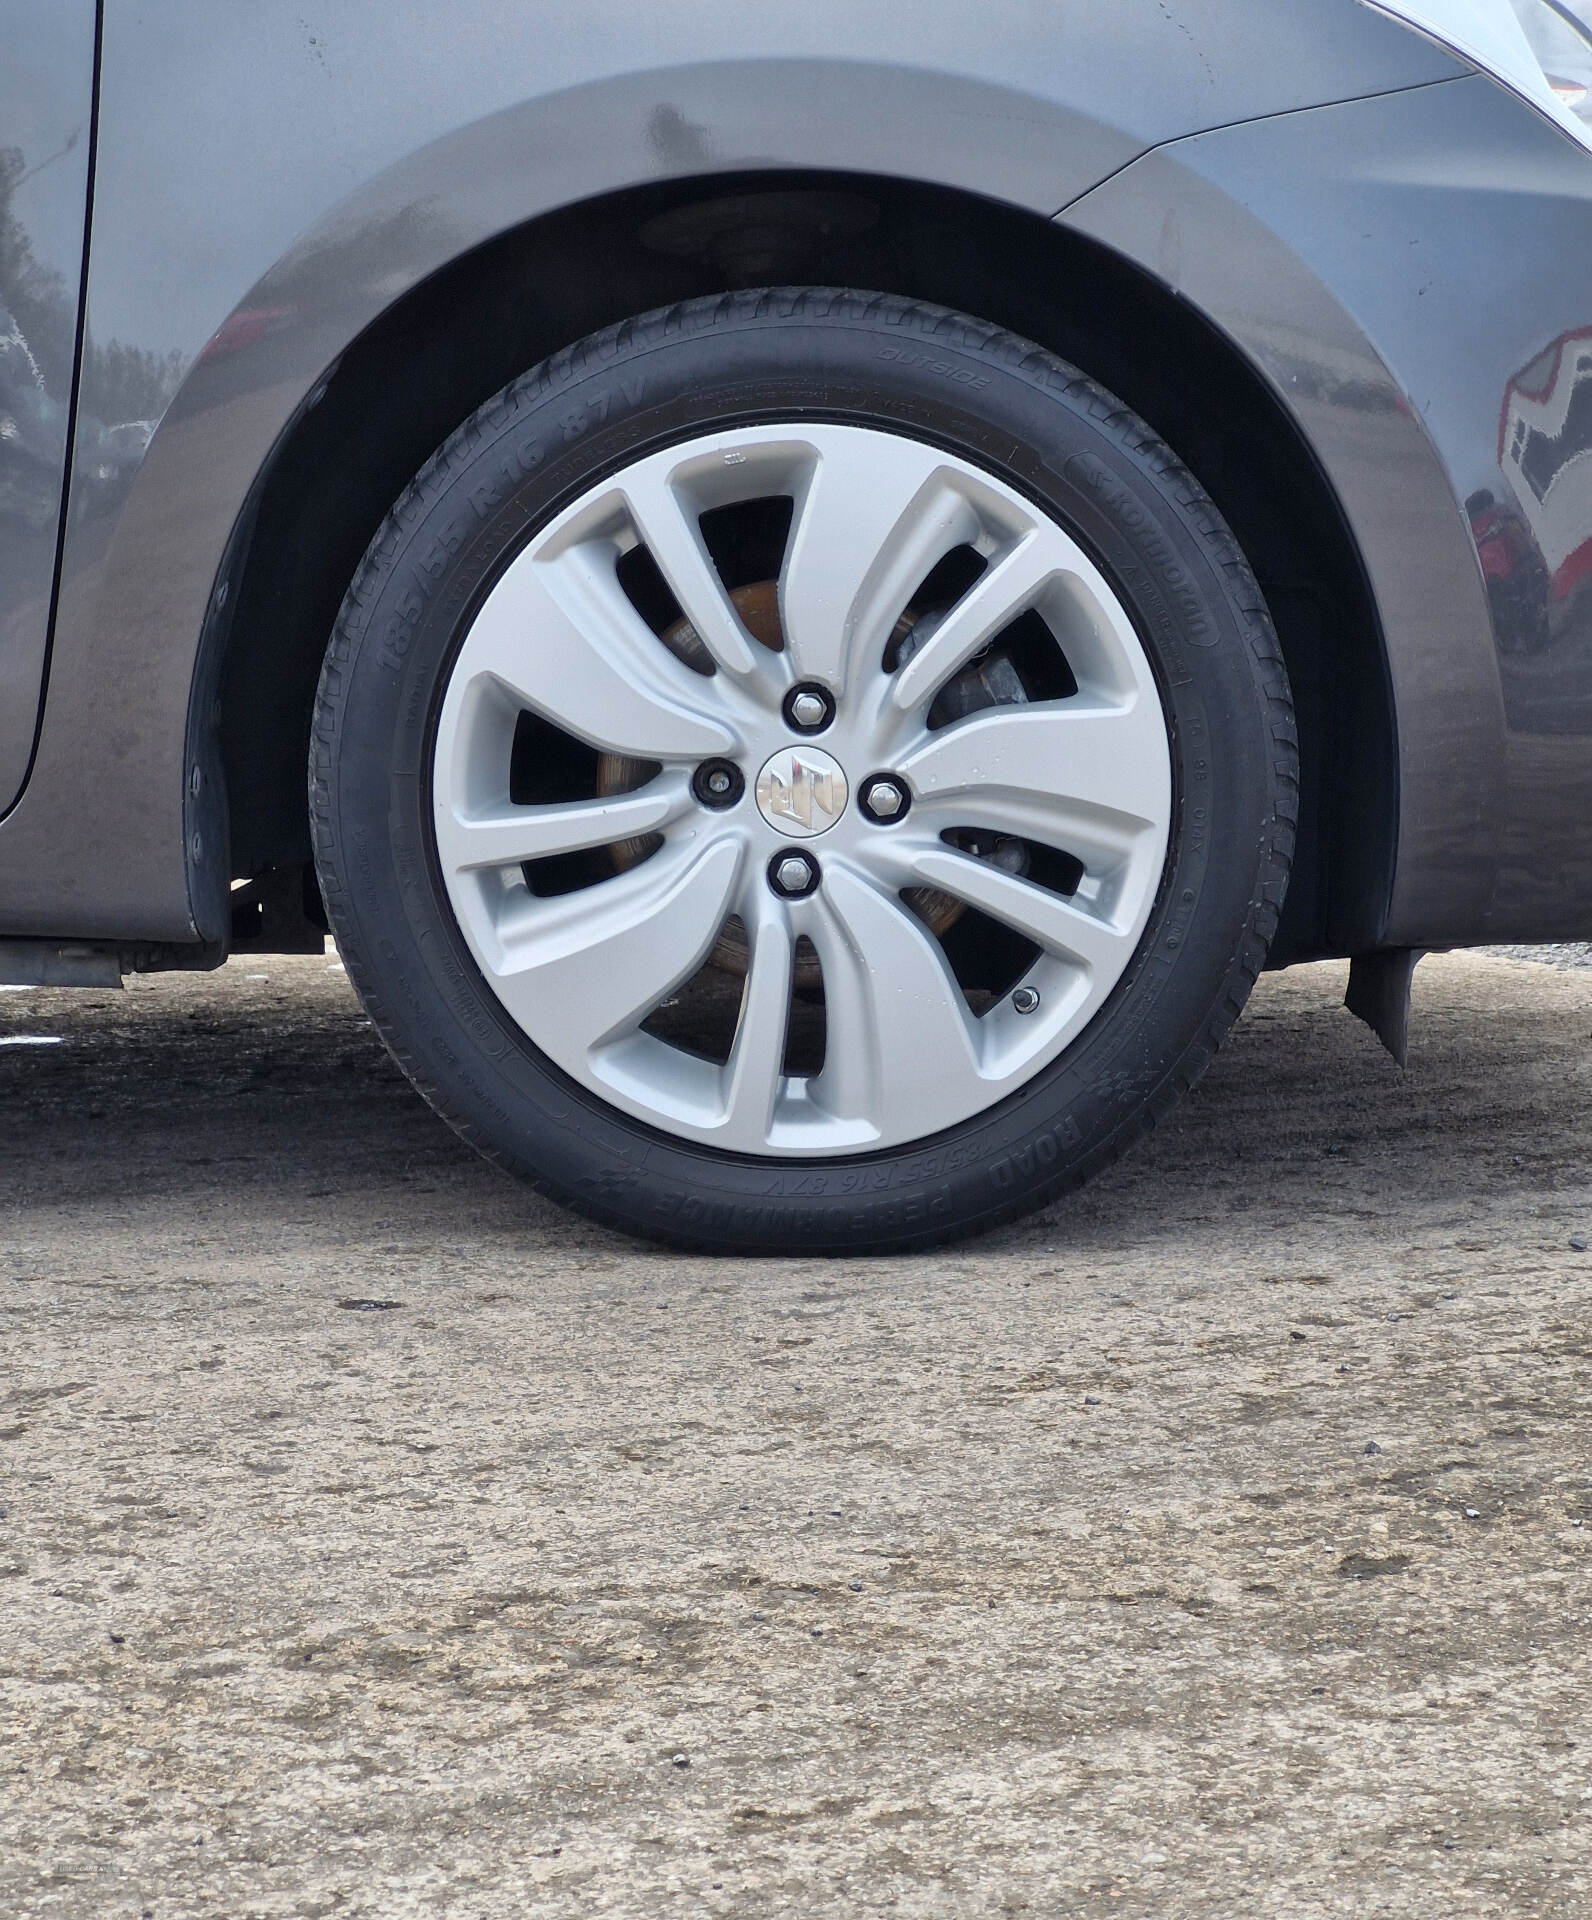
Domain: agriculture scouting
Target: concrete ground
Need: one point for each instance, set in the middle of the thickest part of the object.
(379, 1540)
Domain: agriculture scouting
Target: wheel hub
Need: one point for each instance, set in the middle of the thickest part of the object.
(802, 792)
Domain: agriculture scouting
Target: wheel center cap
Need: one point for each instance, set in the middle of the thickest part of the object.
(801, 792)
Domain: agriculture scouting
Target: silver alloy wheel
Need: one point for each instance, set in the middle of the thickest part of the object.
(905, 1054)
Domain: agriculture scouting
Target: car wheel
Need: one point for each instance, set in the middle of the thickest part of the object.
(803, 770)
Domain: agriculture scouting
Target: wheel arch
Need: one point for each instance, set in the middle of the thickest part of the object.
(347, 454)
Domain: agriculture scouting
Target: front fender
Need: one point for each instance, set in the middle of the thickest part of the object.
(267, 187)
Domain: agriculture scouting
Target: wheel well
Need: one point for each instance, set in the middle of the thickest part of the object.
(427, 363)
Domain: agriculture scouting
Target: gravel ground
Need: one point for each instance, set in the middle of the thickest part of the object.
(378, 1540)
(1569, 958)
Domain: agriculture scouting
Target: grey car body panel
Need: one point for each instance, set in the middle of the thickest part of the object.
(45, 143)
(1415, 279)
(269, 186)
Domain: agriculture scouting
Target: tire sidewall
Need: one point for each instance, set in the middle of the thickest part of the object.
(1009, 407)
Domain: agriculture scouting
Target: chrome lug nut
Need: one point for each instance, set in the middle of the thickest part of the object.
(883, 798)
(1025, 1000)
(718, 784)
(808, 709)
(794, 875)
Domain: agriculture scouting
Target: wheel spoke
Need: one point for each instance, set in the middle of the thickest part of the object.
(995, 599)
(1084, 775)
(506, 836)
(669, 527)
(560, 635)
(898, 1047)
(753, 1072)
(1095, 944)
(865, 536)
(604, 957)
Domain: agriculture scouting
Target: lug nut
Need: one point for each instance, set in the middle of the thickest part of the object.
(794, 875)
(808, 709)
(718, 784)
(1025, 1000)
(883, 798)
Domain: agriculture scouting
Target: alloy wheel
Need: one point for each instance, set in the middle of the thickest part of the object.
(928, 700)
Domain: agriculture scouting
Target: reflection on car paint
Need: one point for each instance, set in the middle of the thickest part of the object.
(1512, 566)
(1535, 543)
(1545, 449)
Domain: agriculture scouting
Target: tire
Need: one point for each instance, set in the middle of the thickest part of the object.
(413, 713)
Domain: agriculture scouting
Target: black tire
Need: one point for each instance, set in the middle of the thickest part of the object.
(870, 359)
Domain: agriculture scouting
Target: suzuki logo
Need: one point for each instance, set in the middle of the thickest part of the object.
(802, 792)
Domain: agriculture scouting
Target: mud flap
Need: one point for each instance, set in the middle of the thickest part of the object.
(1379, 994)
